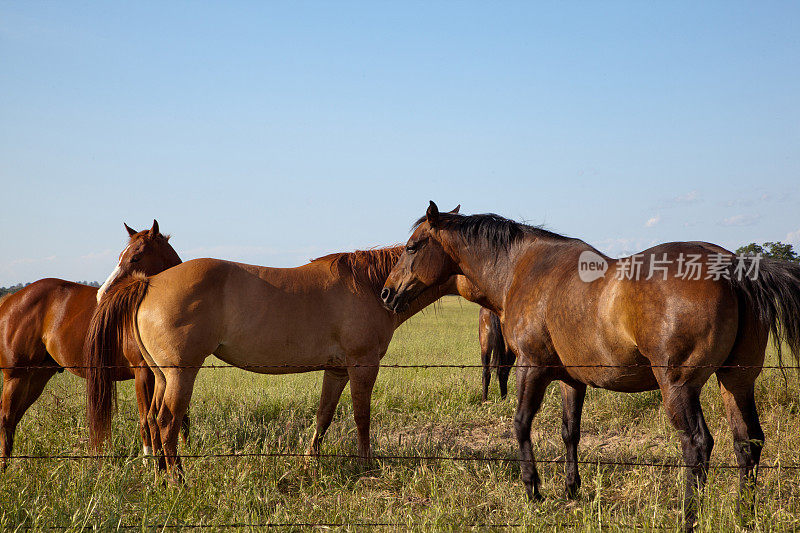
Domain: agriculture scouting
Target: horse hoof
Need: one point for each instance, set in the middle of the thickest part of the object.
(534, 495)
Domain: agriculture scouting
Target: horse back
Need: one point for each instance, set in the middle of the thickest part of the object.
(247, 314)
(608, 331)
(47, 319)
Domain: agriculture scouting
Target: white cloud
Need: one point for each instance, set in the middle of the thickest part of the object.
(741, 220)
(688, 198)
(652, 221)
(622, 246)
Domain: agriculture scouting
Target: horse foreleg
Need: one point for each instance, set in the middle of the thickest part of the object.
(333, 383)
(572, 397)
(178, 393)
(748, 438)
(531, 385)
(362, 379)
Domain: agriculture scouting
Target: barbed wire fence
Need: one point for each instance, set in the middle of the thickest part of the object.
(265, 368)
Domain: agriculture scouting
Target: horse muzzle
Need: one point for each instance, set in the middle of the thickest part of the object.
(393, 300)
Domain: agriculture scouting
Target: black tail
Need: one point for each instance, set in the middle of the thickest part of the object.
(774, 298)
(497, 344)
(502, 356)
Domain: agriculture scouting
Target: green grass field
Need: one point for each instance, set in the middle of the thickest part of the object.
(414, 412)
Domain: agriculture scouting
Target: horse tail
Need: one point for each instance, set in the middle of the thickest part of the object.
(497, 343)
(772, 293)
(114, 313)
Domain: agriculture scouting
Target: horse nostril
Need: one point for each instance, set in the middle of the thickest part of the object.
(385, 293)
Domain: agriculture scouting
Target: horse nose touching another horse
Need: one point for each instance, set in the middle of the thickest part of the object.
(338, 313)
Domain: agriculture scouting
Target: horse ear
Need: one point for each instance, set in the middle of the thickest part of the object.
(455, 211)
(154, 229)
(130, 230)
(432, 214)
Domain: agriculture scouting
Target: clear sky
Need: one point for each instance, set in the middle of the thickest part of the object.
(274, 132)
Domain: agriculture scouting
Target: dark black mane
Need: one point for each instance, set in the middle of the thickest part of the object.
(491, 229)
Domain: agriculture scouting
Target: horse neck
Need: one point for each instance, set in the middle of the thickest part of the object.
(428, 296)
(489, 268)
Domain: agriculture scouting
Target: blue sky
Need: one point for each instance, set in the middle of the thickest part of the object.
(272, 133)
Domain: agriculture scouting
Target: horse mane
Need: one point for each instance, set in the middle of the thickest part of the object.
(490, 228)
(365, 268)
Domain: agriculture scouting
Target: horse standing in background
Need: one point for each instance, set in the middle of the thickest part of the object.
(42, 331)
(325, 315)
(494, 352)
(628, 333)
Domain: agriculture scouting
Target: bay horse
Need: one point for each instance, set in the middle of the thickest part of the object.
(42, 331)
(619, 332)
(494, 352)
(325, 315)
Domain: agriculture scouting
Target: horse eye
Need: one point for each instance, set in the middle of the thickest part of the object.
(411, 248)
(135, 259)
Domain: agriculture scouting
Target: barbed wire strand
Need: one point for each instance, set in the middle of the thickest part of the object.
(373, 525)
(328, 366)
(239, 455)
(390, 457)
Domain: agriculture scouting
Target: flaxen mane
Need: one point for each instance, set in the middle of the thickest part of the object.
(366, 268)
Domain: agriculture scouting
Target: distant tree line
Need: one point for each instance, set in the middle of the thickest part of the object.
(14, 288)
(773, 250)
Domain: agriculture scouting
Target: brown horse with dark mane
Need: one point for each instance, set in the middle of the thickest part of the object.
(43, 327)
(325, 315)
(662, 329)
(494, 352)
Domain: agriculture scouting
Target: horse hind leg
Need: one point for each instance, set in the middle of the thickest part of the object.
(333, 383)
(682, 403)
(572, 407)
(185, 425)
(144, 383)
(748, 439)
(19, 393)
(178, 393)
(486, 372)
(152, 421)
(737, 389)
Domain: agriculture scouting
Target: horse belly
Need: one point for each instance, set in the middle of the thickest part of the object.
(628, 372)
(281, 355)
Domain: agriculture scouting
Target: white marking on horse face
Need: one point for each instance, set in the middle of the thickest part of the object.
(147, 450)
(104, 287)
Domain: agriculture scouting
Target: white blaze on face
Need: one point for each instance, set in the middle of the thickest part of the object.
(104, 287)
(147, 450)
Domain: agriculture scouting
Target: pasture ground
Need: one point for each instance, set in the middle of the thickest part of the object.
(420, 412)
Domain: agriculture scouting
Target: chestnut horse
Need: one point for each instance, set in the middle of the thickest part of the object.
(494, 352)
(325, 315)
(659, 330)
(43, 326)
